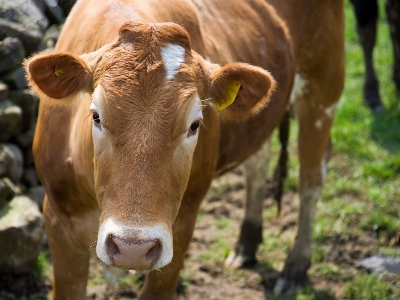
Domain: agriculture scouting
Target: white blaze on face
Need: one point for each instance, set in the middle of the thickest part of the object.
(195, 115)
(172, 56)
(96, 106)
(183, 154)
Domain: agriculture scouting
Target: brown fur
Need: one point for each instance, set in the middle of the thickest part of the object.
(58, 76)
(143, 183)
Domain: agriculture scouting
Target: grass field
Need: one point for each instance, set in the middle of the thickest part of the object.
(358, 215)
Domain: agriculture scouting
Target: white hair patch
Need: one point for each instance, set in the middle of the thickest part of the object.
(298, 87)
(330, 111)
(172, 56)
(318, 124)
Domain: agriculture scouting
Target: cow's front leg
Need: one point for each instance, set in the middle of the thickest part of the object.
(314, 136)
(256, 168)
(162, 284)
(70, 258)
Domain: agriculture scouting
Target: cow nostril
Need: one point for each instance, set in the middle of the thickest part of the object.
(154, 253)
(112, 249)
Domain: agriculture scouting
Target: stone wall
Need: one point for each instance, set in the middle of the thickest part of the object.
(26, 27)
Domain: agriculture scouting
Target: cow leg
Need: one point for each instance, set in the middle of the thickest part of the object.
(393, 15)
(314, 135)
(70, 260)
(250, 237)
(366, 12)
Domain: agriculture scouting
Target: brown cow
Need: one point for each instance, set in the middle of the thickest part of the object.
(135, 122)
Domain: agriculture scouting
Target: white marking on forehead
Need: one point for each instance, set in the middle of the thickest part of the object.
(188, 144)
(172, 56)
(298, 87)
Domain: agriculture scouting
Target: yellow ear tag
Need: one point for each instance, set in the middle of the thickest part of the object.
(58, 72)
(232, 89)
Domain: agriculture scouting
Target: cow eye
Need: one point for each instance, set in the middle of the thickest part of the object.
(96, 119)
(193, 128)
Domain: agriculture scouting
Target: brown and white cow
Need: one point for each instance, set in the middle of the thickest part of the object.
(137, 116)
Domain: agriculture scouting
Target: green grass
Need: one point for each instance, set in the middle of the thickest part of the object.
(217, 252)
(96, 279)
(369, 144)
(130, 281)
(222, 223)
(369, 288)
(42, 265)
(361, 195)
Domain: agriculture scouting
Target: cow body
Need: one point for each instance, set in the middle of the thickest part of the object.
(117, 146)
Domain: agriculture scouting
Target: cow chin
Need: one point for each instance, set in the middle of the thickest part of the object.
(134, 248)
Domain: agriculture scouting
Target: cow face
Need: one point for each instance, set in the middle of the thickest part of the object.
(147, 93)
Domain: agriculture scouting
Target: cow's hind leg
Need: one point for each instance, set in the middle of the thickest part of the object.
(256, 168)
(315, 122)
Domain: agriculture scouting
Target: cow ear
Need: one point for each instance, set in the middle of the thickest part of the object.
(240, 90)
(58, 75)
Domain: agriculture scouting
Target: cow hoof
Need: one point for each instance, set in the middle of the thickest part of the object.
(286, 286)
(236, 260)
(376, 108)
(294, 275)
(373, 100)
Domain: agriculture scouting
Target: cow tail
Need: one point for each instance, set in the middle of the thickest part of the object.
(280, 173)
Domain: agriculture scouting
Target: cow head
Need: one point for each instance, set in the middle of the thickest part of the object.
(148, 91)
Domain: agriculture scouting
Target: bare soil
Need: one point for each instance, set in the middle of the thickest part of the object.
(204, 276)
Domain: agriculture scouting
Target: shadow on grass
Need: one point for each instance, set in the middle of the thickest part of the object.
(385, 128)
(270, 276)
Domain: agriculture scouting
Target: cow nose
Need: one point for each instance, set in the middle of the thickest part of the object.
(131, 253)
